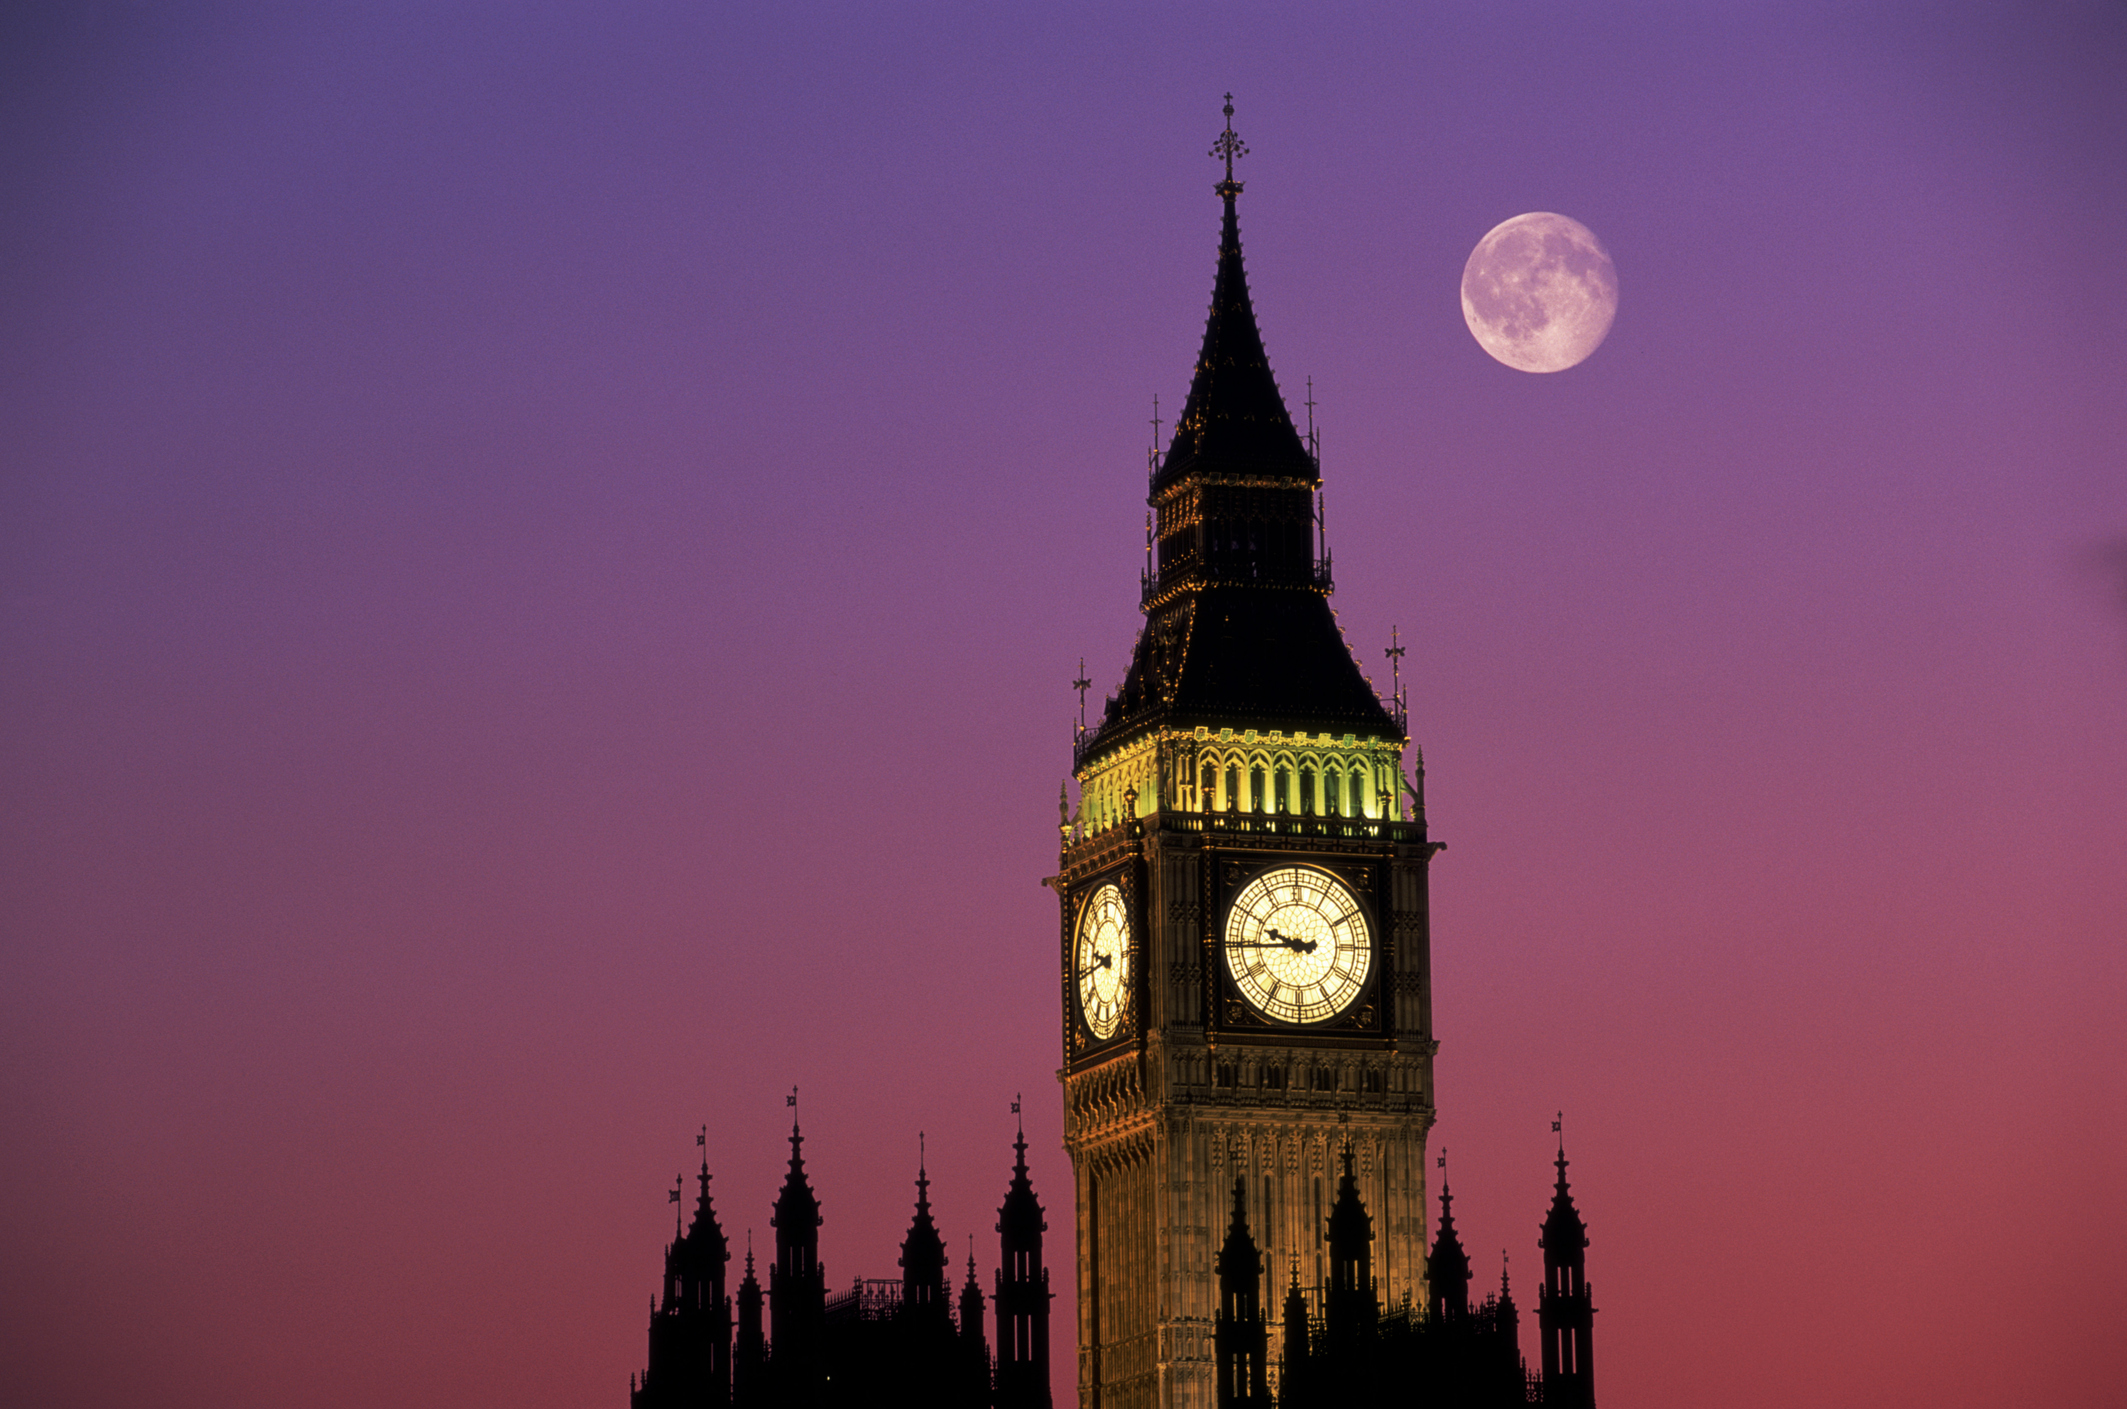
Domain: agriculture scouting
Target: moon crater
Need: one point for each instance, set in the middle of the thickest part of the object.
(1539, 292)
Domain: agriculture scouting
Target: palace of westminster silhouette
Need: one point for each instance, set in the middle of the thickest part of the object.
(1247, 1036)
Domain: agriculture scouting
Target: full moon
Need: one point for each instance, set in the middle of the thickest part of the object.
(1539, 292)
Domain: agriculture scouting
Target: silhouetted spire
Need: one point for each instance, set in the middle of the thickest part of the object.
(797, 1283)
(1023, 1295)
(1238, 1333)
(923, 1254)
(1565, 1310)
(1239, 1263)
(749, 1361)
(796, 1207)
(705, 1236)
(1295, 1379)
(1449, 1266)
(1020, 1217)
(1563, 1225)
(971, 1313)
(1351, 1310)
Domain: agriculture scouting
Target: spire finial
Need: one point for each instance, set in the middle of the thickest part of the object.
(1152, 456)
(1229, 145)
(1082, 684)
(679, 1181)
(1394, 653)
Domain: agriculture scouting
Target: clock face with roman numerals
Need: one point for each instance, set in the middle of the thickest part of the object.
(1297, 945)
(1102, 960)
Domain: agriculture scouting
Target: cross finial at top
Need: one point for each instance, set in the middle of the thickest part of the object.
(1229, 145)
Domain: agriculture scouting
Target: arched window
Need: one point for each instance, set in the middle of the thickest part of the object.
(1333, 792)
(1256, 792)
(1209, 782)
(1233, 789)
(1307, 791)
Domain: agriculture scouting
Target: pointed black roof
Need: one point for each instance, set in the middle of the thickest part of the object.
(1449, 1266)
(971, 1299)
(749, 1283)
(1020, 1217)
(1239, 1263)
(1295, 1316)
(1247, 657)
(923, 1250)
(1235, 418)
(1351, 1227)
(796, 1206)
(705, 1237)
(1564, 1234)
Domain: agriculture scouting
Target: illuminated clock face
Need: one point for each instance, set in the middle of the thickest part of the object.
(1297, 945)
(1103, 961)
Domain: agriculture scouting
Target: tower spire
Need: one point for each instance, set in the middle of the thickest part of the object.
(1448, 1269)
(1565, 1309)
(1239, 1340)
(797, 1283)
(923, 1259)
(1022, 1299)
(1234, 414)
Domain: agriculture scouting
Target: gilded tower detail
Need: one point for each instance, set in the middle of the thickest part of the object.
(1244, 929)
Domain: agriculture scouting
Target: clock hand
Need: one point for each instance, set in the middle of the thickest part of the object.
(1276, 941)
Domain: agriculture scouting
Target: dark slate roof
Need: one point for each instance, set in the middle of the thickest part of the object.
(1247, 657)
(1235, 418)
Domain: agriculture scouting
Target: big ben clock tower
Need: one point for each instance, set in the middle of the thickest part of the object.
(1245, 966)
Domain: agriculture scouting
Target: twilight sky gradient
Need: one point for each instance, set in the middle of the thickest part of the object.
(543, 552)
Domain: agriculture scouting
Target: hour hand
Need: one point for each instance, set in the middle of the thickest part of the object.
(1102, 961)
(1297, 946)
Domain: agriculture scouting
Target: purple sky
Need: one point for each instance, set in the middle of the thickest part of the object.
(543, 555)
